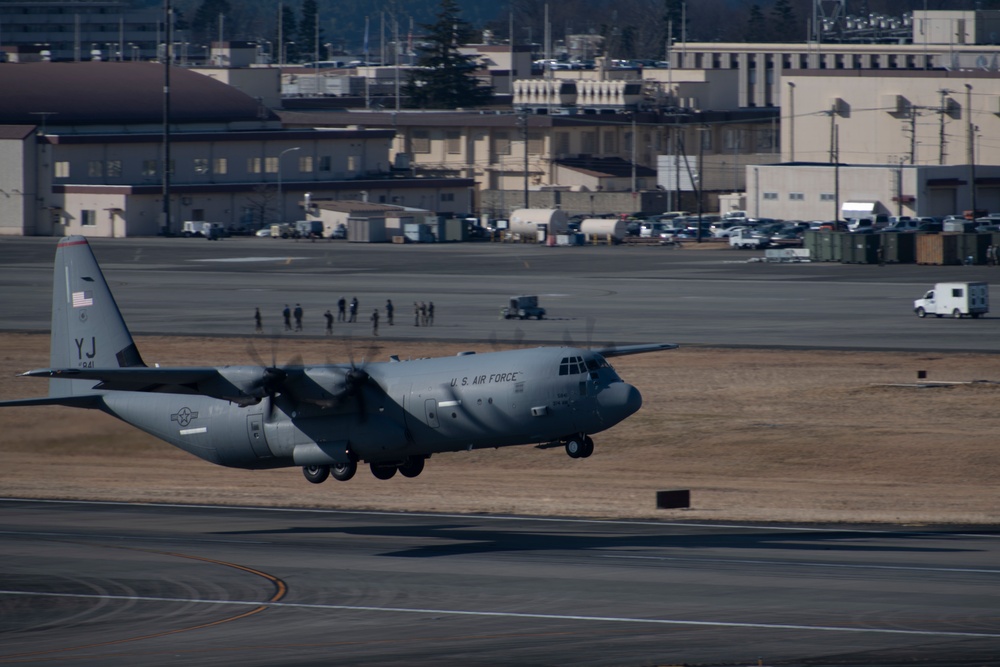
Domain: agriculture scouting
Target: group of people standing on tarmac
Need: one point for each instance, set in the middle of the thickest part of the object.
(423, 314)
(347, 312)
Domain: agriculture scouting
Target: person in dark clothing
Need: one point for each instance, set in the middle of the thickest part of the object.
(374, 319)
(416, 314)
(430, 313)
(342, 310)
(287, 314)
(354, 310)
(329, 321)
(298, 317)
(258, 323)
(389, 308)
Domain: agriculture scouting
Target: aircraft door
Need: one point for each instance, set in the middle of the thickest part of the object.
(430, 412)
(255, 431)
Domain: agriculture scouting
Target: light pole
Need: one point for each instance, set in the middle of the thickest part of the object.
(281, 201)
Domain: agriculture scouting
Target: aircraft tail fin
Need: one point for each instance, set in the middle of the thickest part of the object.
(88, 330)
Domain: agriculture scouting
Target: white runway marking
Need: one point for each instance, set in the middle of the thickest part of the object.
(507, 614)
(248, 259)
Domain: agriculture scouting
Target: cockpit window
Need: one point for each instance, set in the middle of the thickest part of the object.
(572, 366)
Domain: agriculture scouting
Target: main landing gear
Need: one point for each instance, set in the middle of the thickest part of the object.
(409, 467)
(579, 446)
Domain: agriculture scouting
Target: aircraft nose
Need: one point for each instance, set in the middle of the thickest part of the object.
(621, 400)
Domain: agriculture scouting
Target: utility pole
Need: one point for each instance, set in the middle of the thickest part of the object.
(836, 174)
(701, 178)
(791, 121)
(523, 122)
(168, 19)
(942, 137)
(633, 155)
(971, 147)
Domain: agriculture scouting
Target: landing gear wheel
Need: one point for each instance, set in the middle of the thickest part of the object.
(957, 314)
(575, 447)
(921, 312)
(588, 447)
(412, 467)
(381, 471)
(316, 474)
(343, 471)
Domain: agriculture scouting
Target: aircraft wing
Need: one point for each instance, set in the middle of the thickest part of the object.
(634, 349)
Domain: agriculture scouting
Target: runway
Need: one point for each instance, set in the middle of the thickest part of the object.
(116, 584)
(594, 295)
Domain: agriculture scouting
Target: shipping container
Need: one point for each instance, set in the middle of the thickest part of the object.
(899, 248)
(937, 249)
(859, 248)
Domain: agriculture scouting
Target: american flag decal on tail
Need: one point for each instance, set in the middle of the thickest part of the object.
(82, 299)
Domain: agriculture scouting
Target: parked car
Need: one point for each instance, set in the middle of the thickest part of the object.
(263, 233)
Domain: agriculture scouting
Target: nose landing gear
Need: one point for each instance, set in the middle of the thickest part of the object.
(579, 446)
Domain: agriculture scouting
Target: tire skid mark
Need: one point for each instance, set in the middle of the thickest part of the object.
(280, 590)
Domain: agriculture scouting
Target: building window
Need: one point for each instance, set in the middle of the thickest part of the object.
(771, 195)
(271, 165)
(95, 169)
(734, 139)
(201, 165)
(501, 143)
(447, 196)
(306, 164)
(706, 140)
(610, 143)
(88, 218)
(765, 140)
(62, 170)
(352, 163)
(221, 165)
(421, 141)
(588, 142)
(114, 168)
(562, 143)
(253, 165)
(149, 167)
(826, 196)
(796, 196)
(536, 143)
(453, 142)
(325, 163)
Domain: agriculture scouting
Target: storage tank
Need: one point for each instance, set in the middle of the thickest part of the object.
(614, 227)
(526, 222)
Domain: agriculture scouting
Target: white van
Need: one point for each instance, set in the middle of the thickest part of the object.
(954, 299)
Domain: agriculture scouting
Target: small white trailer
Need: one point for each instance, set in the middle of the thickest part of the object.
(955, 300)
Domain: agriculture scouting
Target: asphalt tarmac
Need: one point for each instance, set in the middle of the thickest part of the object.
(594, 295)
(117, 584)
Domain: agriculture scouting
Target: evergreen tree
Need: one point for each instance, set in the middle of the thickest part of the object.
(756, 30)
(289, 35)
(443, 77)
(205, 24)
(307, 36)
(785, 26)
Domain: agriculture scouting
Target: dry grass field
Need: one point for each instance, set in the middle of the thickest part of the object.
(756, 435)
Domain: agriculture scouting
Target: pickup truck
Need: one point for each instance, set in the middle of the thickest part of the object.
(746, 239)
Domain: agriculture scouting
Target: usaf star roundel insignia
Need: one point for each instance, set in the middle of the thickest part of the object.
(184, 416)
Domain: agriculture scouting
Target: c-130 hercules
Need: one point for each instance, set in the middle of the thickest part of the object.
(325, 418)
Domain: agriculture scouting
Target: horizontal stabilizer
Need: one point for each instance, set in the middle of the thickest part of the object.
(75, 401)
(634, 349)
(204, 381)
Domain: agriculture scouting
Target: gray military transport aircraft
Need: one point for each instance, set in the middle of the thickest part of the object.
(391, 415)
